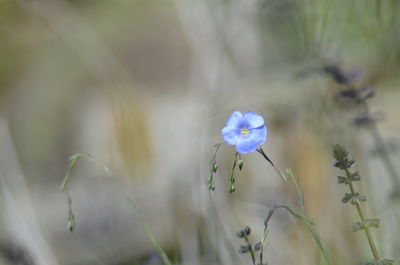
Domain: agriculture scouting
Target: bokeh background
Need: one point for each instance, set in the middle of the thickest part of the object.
(145, 86)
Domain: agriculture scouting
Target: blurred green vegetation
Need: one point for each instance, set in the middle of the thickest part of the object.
(146, 85)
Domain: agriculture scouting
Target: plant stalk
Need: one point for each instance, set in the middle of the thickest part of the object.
(361, 215)
(253, 258)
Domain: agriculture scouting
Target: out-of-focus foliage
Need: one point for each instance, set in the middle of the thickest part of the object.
(145, 86)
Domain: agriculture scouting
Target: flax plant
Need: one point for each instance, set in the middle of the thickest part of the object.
(248, 132)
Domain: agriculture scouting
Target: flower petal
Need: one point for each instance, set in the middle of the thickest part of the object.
(253, 120)
(259, 134)
(231, 135)
(236, 120)
(250, 143)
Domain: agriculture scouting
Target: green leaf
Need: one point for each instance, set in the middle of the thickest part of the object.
(77, 155)
(355, 176)
(365, 224)
(358, 198)
(217, 145)
(281, 174)
(347, 197)
(357, 226)
(372, 223)
(339, 153)
(74, 158)
(355, 198)
(343, 180)
(300, 194)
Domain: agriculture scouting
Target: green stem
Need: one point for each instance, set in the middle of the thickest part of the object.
(361, 215)
(264, 155)
(253, 258)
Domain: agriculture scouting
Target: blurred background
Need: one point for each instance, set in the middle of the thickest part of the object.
(146, 86)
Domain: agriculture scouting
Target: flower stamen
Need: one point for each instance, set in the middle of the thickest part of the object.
(244, 131)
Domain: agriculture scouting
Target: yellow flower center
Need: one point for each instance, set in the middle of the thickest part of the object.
(244, 131)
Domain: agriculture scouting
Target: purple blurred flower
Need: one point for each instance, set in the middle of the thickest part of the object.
(246, 131)
(340, 76)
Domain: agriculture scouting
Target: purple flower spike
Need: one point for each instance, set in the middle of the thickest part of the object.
(246, 131)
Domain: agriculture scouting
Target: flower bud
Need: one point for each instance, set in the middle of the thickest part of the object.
(232, 179)
(71, 223)
(247, 230)
(240, 234)
(240, 164)
(211, 185)
(257, 246)
(215, 167)
(243, 249)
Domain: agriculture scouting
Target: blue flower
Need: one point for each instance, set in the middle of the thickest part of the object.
(246, 131)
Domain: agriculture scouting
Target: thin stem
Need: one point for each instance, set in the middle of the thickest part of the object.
(217, 146)
(361, 215)
(264, 155)
(264, 237)
(232, 177)
(213, 166)
(261, 151)
(234, 163)
(253, 258)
